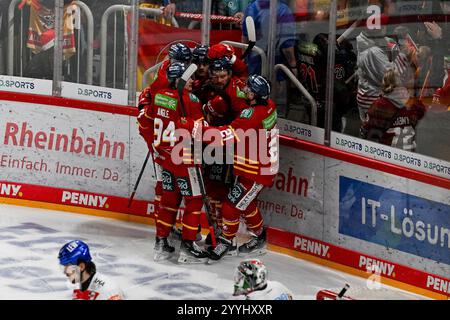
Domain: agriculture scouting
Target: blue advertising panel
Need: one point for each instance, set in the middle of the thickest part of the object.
(394, 219)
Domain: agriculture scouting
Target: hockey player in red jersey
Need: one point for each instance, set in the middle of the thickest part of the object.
(392, 118)
(220, 50)
(177, 52)
(75, 259)
(255, 166)
(441, 97)
(179, 179)
(227, 86)
(225, 101)
(201, 78)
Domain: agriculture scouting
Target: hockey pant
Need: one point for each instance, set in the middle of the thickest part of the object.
(158, 190)
(178, 184)
(241, 202)
(217, 188)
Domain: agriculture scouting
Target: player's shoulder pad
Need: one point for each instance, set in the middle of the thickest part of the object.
(247, 113)
(193, 97)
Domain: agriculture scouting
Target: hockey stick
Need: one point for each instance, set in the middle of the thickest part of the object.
(251, 33)
(347, 32)
(427, 77)
(180, 87)
(139, 178)
(342, 292)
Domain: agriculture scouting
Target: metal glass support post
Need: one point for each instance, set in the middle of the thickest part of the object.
(90, 40)
(58, 53)
(330, 72)
(10, 46)
(206, 23)
(272, 40)
(132, 61)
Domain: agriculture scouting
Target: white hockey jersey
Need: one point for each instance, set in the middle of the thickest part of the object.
(273, 291)
(100, 288)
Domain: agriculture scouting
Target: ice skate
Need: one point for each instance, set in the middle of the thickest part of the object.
(163, 250)
(224, 248)
(257, 245)
(191, 253)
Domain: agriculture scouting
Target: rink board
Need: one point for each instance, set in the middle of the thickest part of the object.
(306, 204)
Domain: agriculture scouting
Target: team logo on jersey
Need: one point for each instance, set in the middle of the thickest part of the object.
(164, 101)
(269, 122)
(184, 186)
(193, 97)
(167, 181)
(236, 193)
(247, 113)
(339, 71)
(240, 94)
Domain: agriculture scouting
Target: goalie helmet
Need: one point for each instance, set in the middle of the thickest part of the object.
(71, 253)
(259, 86)
(249, 276)
(180, 52)
(175, 71)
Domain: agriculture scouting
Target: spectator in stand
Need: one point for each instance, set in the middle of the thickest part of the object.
(259, 11)
(231, 8)
(393, 117)
(432, 30)
(169, 7)
(372, 62)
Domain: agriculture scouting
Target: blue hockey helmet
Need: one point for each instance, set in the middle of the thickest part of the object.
(180, 52)
(200, 54)
(221, 64)
(259, 85)
(175, 71)
(73, 251)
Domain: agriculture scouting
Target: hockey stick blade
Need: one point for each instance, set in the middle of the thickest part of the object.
(343, 291)
(182, 83)
(189, 72)
(251, 34)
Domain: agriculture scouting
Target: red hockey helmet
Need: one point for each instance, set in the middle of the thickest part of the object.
(220, 50)
(217, 107)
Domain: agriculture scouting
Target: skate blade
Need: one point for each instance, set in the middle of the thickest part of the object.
(228, 255)
(258, 252)
(161, 256)
(191, 260)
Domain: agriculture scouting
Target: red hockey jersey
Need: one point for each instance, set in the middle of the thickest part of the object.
(255, 135)
(160, 80)
(393, 126)
(233, 95)
(165, 112)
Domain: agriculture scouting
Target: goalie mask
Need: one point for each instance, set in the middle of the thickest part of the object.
(249, 276)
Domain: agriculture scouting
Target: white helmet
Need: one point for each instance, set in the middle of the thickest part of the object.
(249, 276)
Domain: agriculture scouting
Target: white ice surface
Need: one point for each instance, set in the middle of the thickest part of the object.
(30, 240)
